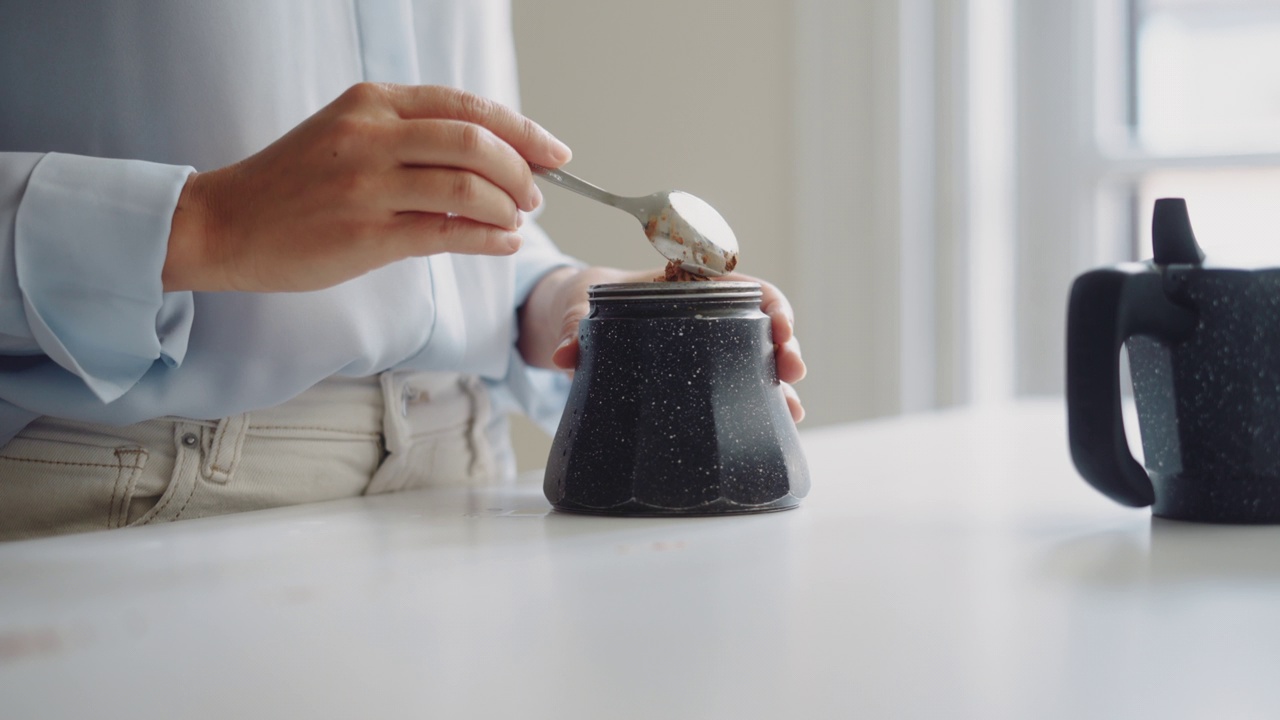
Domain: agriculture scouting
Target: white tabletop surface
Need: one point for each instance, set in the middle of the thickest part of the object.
(946, 565)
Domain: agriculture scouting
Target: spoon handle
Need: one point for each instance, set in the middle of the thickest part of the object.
(582, 187)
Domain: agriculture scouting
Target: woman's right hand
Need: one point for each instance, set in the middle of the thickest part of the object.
(382, 173)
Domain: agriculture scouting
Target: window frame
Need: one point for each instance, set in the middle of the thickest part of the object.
(1079, 171)
(902, 232)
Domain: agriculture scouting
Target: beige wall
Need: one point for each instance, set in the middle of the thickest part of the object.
(691, 95)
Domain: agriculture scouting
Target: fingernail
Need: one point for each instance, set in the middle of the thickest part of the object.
(560, 151)
(519, 218)
(537, 196)
(513, 242)
(563, 344)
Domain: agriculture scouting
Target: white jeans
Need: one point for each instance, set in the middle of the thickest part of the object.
(342, 438)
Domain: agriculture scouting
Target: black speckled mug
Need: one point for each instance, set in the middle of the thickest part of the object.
(1204, 354)
(675, 407)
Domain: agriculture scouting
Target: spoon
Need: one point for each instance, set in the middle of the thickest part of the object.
(684, 228)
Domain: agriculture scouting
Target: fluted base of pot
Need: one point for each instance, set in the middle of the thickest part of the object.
(1244, 499)
(676, 408)
(635, 508)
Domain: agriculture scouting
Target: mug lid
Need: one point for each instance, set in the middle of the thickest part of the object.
(1172, 240)
(1173, 243)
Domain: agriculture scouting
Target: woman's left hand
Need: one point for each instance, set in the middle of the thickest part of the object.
(549, 322)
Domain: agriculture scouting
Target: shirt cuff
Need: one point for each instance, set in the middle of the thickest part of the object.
(538, 393)
(90, 240)
(537, 256)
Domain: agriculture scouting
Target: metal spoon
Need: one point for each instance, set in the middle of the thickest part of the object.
(684, 228)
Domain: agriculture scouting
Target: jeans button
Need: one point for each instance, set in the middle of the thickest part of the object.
(190, 439)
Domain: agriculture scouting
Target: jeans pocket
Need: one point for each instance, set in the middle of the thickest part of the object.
(444, 458)
(50, 486)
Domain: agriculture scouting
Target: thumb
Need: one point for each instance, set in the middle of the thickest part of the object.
(565, 356)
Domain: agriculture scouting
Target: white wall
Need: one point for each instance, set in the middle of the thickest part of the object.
(665, 94)
(828, 133)
(692, 95)
(866, 153)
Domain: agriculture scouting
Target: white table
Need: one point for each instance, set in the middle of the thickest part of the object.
(946, 565)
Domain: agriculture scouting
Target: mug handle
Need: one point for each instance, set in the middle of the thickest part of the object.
(1107, 306)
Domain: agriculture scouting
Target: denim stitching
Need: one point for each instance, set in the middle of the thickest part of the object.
(61, 462)
(120, 516)
(216, 450)
(115, 489)
(311, 427)
(177, 467)
(160, 509)
(188, 502)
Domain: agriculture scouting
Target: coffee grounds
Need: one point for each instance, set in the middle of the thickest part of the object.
(675, 272)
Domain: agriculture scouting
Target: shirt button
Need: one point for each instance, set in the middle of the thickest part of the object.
(190, 439)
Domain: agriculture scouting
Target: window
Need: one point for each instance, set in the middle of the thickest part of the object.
(1124, 101)
(960, 162)
(1206, 75)
(1206, 111)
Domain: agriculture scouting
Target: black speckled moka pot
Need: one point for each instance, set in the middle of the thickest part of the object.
(1204, 355)
(675, 407)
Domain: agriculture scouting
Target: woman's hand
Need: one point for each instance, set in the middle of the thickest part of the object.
(549, 322)
(382, 173)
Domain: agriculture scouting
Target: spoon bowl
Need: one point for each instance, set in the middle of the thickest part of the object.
(685, 229)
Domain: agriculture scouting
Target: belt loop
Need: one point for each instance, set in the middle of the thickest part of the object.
(481, 453)
(391, 475)
(224, 450)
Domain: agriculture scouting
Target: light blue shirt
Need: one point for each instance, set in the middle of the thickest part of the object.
(107, 106)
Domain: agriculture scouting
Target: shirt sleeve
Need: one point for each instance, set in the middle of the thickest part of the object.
(538, 256)
(537, 392)
(83, 241)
